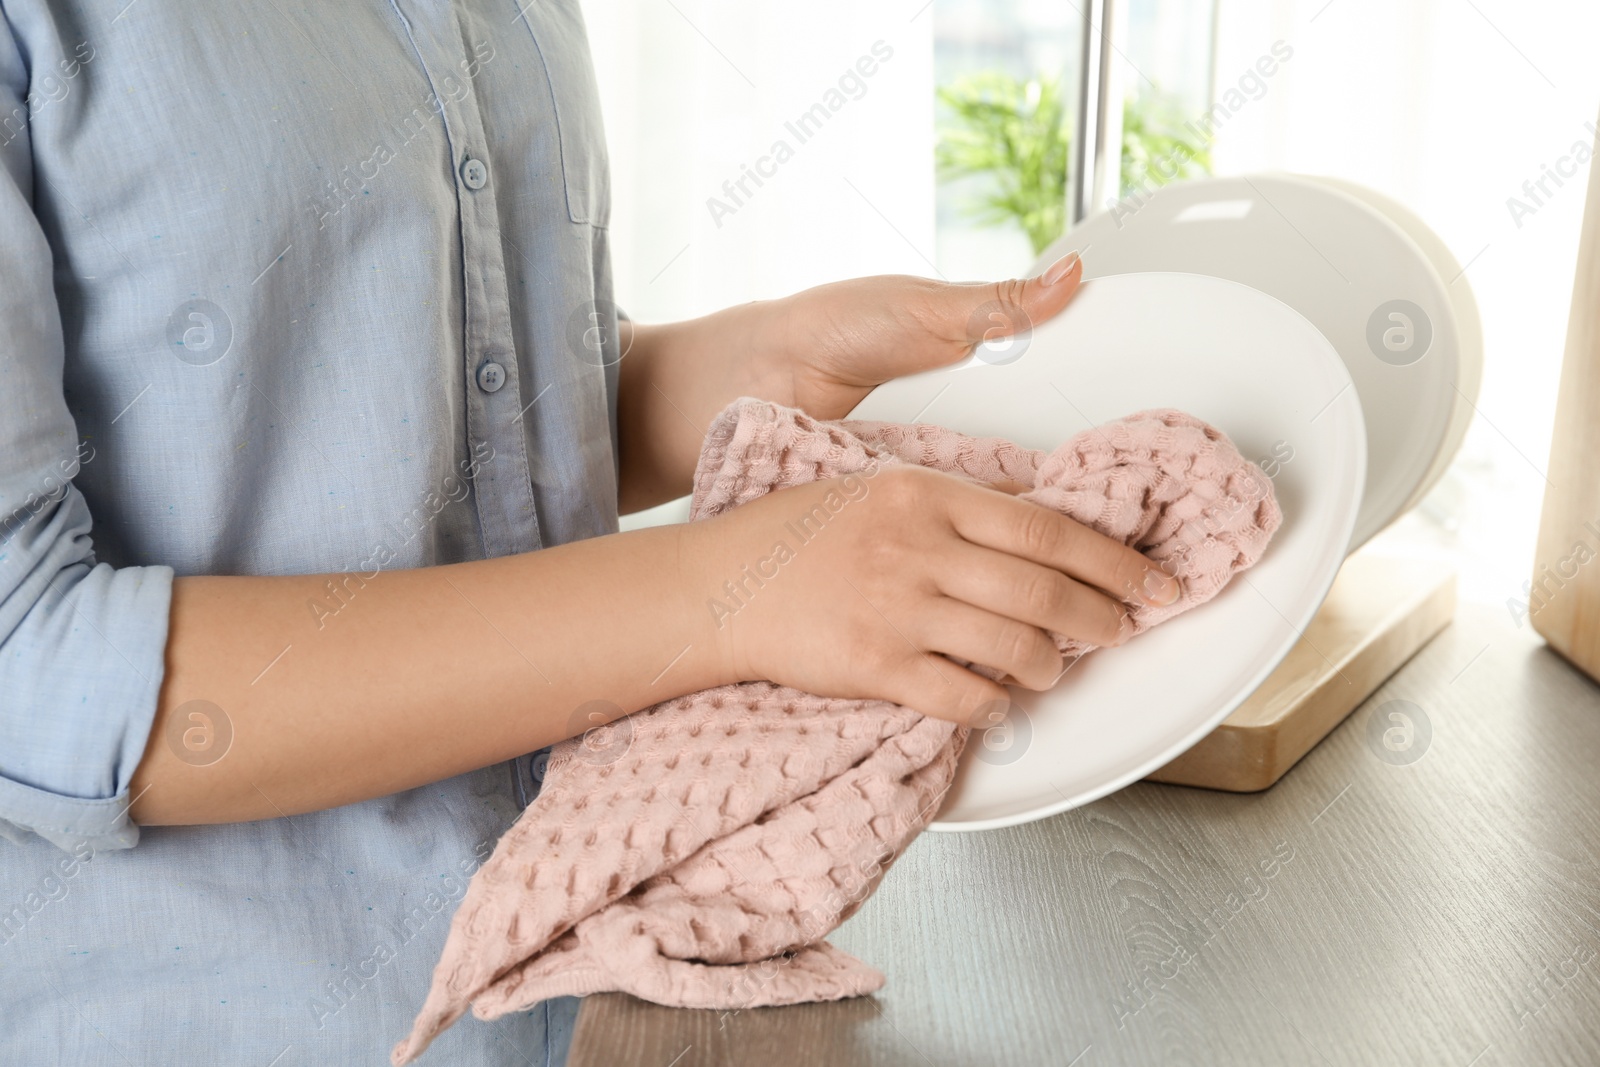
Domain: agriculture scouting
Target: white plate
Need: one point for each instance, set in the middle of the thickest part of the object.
(1238, 359)
(1336, 260)
(1469, 327)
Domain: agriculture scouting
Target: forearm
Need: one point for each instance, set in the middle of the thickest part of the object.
(421, 675)
(428, 673)
(675, 378)
(821, 350)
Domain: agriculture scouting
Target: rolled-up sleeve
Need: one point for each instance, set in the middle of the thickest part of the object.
(81, 643)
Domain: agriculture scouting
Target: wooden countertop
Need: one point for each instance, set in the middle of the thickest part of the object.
(1431, 904)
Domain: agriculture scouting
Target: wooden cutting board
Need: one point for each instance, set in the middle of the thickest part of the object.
(1381, 610)
(1563, 598)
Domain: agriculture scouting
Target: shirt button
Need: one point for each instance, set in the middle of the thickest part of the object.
(491, 376)
(474, 173)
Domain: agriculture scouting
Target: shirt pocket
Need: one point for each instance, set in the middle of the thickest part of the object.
(558, 33)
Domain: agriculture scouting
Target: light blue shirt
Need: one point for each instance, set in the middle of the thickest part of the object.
(285, 288)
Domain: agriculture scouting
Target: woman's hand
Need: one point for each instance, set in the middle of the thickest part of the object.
(831, 345)
(821, 350)
(866, 601)
(867, 597)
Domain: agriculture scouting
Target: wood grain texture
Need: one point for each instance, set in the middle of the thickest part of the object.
(1441, 911)
(1381, 610)
(1564, 598)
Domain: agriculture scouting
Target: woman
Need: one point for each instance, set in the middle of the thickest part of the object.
(314, 428)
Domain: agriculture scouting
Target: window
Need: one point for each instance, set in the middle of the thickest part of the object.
(1008, 79)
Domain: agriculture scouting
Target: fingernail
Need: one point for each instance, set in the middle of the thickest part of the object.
(1059, 269)
(1160, 590)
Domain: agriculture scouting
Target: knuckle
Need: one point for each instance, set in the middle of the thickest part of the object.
(1038, 531)
(1017, 645)
(1009, 293)
(881, 554)
(874, 656)
(899, 486)
(1043, 595)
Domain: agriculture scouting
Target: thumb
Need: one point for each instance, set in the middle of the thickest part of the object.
(1016, 306)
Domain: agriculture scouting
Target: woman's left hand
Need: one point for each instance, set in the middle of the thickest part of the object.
(821, 350)
(829, 346)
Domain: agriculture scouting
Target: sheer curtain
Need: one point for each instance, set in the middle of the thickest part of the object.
(757, 149)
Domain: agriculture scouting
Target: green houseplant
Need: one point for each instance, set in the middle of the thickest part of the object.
(1016, 133)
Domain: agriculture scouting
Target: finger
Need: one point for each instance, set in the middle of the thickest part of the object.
(1034, 595)
(1023, 528)
(1024, 652)
(1006, 486)
(997, 310)
(933, 685)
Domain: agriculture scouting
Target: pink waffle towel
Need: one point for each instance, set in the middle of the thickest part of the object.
(698, 852)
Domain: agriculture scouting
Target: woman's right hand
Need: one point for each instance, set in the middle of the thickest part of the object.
(852, 587)
(862, 586)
